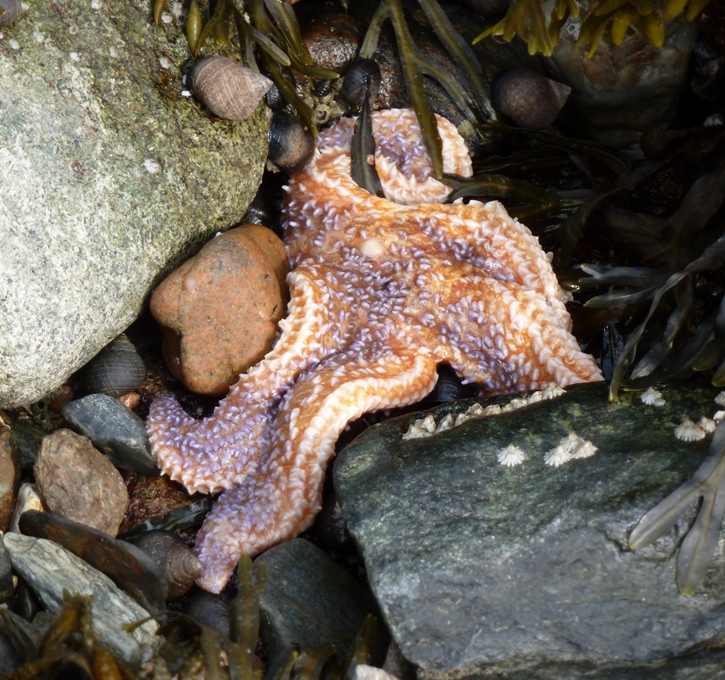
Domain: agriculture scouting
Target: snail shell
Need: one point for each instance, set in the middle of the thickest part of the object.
(527, 98)
(115, 370)
(10, 10)
(228, 89)
(177, 562)
(291, 144)
(361, 77)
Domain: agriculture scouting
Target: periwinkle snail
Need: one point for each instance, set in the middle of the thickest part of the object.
(177, 562)
(291, 144)
(527, 98)
(228, 89)
(10, 10)
(115, 370)
(361, 77)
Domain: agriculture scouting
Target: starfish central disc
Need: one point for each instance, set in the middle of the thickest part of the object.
(382, 291)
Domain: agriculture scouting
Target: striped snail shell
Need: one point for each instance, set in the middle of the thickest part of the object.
(178, 564)
(115, 370)
(527, 98)
(10, 10)
(228, 89)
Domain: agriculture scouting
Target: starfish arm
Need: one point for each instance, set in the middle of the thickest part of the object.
(281, 497)
(485, 235)
(216, 453)
(501, 335)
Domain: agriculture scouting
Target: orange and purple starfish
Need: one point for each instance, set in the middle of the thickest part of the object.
(382, 291)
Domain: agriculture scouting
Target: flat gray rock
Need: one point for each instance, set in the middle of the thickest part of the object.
(49, 569)
(486, 570)
(109, 178)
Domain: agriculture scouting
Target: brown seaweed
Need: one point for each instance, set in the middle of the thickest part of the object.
(696, 550)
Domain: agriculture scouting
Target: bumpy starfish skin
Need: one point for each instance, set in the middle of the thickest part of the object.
(382, 291)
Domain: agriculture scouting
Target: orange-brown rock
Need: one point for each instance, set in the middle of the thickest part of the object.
(9, 479)
(219, 310)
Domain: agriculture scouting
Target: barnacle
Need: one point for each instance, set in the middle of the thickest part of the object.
(702, 538)
(528, 20)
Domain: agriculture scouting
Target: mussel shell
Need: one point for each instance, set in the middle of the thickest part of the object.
(274, 98)
(291, 144)
(115, 370)
(11, 11)
(228, 89)
(527, 98)
(361, 77)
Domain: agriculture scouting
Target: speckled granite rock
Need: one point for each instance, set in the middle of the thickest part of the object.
(525, 572)
(109, 178)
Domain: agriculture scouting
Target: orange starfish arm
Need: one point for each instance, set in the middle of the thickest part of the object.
(281, 497)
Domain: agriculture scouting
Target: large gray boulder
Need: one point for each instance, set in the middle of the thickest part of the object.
(524, 572)
(109, 177)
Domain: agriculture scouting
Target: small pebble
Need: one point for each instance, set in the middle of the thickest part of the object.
(28, 499)
(114, 429)
(77, 481)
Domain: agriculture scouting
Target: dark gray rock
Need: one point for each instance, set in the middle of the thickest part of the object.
(19, 631)
(110, 178)
(309, 600)
(484, 570)
(6, 576)
(115, 429)
(49, 569)
(26, 438)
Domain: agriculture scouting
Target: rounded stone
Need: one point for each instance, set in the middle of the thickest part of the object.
(219, 311)
(77, 481)
(109, 178)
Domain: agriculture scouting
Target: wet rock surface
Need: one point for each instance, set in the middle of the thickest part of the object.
(219, 311)
(77, 481)
(482, 569)
(49, 569)
(110, 178)
(309, 600)
(114, 428)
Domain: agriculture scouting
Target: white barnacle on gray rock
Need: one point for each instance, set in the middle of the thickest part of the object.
(707, 424)
(687, 431)
(421, 428)
(571, 447)
(511, 455)
(720, 399)
(652, 397)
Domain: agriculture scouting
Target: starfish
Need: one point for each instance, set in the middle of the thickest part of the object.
(382, 291)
